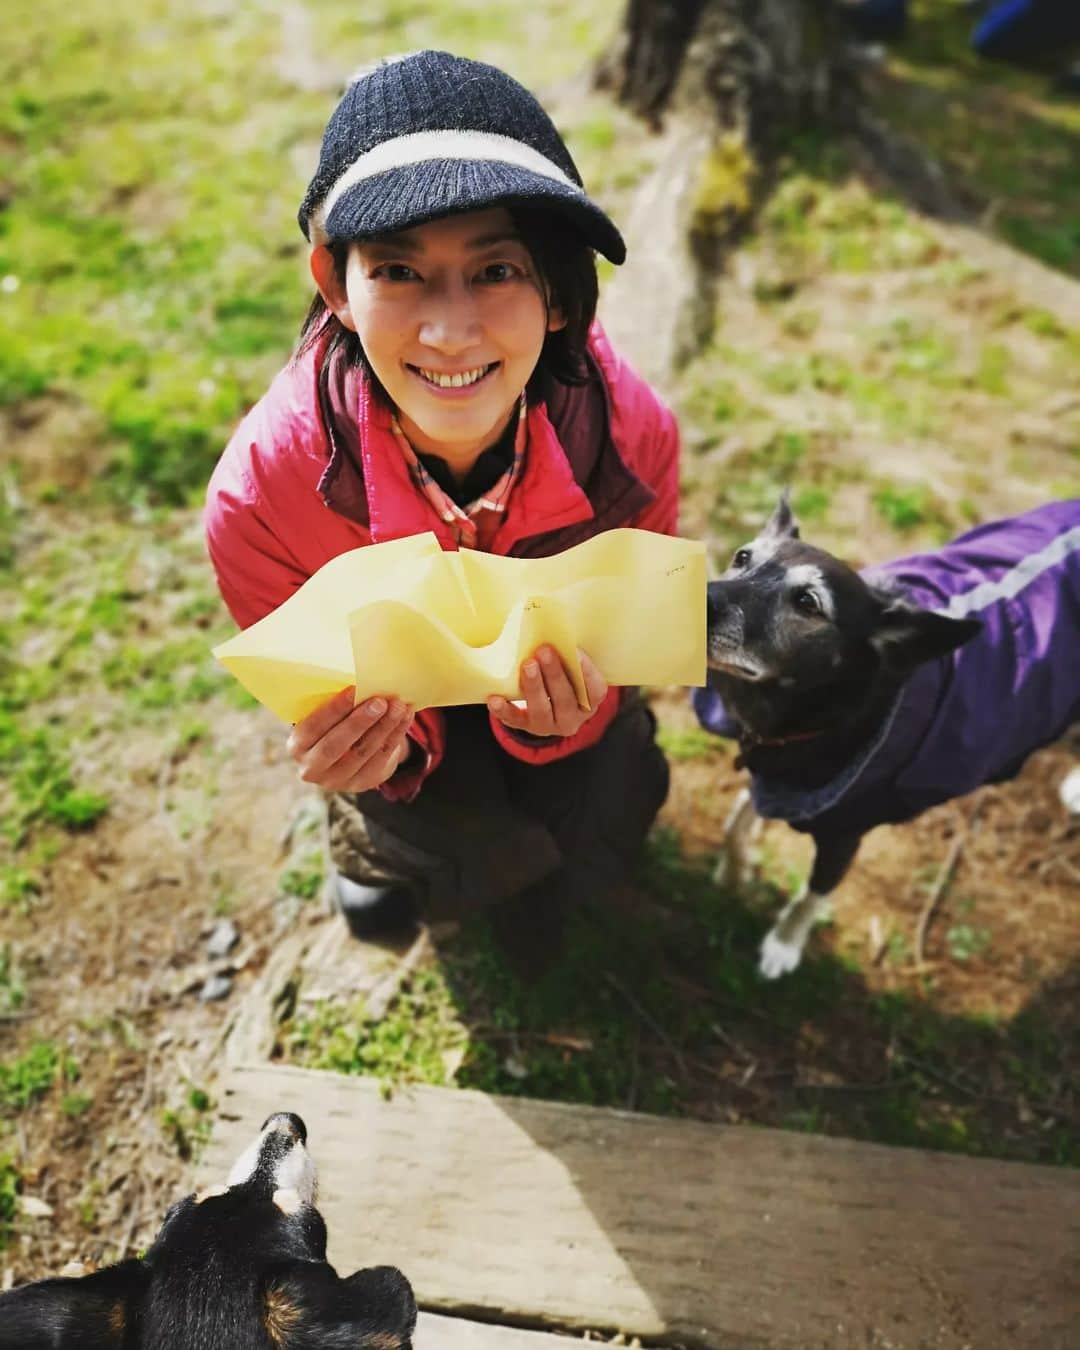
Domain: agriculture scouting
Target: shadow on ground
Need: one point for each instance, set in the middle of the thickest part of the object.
(658, 1006)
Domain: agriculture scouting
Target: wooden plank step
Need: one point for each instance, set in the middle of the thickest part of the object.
(562, 1216)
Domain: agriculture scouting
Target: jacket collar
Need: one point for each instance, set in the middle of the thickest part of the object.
(575, 484)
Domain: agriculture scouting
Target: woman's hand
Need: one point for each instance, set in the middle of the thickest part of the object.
(346, 749)
(551, 706)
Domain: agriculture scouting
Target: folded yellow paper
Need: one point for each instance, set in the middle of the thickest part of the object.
(440, 629)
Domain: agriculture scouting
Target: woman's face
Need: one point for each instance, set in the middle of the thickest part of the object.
(452, 318)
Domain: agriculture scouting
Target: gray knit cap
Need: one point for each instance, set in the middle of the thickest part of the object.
(430, 135)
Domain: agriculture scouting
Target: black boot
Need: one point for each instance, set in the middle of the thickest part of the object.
(374, 912)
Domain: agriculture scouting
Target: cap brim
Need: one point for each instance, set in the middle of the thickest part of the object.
(416, 193)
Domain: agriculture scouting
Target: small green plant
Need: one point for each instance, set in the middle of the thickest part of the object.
(187, 1127)
(1043, 323)
(75, 1104)
(903, 508)
(88, 1204)
(898, 949)
(303, 879)
(41, 784)
(12, 989)
(9, 1192)
(199, 1099)
(992, 372)
(965, 940)
(18, 886)
(29, 1077)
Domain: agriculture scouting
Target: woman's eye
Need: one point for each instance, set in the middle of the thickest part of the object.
(806, 602)
(396, 272)
(496, 272)
(741, 558)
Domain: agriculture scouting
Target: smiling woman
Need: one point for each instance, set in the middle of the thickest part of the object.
(450, 378)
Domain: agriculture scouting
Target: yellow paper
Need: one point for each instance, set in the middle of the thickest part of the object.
(442, 629)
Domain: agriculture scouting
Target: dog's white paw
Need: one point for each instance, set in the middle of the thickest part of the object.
(1070, 792)
(778, 957)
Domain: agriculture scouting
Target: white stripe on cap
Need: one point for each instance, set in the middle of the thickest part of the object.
(419, 146)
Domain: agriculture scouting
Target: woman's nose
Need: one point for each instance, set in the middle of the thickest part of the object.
(450, 322)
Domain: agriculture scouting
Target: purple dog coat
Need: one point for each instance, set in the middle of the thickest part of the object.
(975, 715)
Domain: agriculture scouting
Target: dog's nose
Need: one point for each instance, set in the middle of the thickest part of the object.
(715, 604)
(287, 1123)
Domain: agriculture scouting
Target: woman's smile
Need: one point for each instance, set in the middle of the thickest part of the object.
(454, 384)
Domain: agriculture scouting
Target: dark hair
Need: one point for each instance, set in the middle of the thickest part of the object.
(567, 268)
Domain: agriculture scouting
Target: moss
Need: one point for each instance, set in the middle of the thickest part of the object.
(724, 188)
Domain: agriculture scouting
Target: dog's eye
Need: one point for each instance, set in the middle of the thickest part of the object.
(741, 558)
(806, 602)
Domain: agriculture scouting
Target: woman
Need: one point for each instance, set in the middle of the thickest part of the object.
(450, 378)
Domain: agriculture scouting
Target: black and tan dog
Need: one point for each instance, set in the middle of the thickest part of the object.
(238, 1267)
(864, 698)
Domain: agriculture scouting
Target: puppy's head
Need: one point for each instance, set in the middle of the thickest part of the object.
(240, 1266)
(787, 612)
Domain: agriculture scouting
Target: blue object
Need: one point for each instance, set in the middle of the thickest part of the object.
(1023, 30)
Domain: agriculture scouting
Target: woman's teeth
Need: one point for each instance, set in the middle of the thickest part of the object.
(454, 381)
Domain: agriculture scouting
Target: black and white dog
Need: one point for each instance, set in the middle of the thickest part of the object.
(864, 698)
(237, 1267)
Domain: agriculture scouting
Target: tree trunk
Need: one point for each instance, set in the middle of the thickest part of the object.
(730, 83)
(760, 68)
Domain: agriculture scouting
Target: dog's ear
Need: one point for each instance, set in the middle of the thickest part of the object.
(782, 523)
(371, 1310)
(906, 636)
(89, 1312)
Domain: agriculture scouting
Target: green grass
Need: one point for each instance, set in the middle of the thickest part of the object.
(10, 1181)
(12, 987)
(910, 508)
(689, 743)
(27, 1078)
(85, 657)
(188, 1125)
(995, 127)
(303, 878)
(149, 230)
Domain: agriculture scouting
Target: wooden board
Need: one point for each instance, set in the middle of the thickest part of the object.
(722, 1236)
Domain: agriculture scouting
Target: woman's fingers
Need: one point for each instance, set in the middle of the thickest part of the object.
(357, 737)
(381, 738)
(561, 695)
(551, 702)
(538, 715)
(380, 765)
(338, 741)
(595, 685)
(314, 727)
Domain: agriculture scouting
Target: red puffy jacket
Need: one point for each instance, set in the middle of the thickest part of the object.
(313, 471)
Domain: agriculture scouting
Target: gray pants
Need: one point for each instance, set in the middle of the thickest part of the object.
(486, 825)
